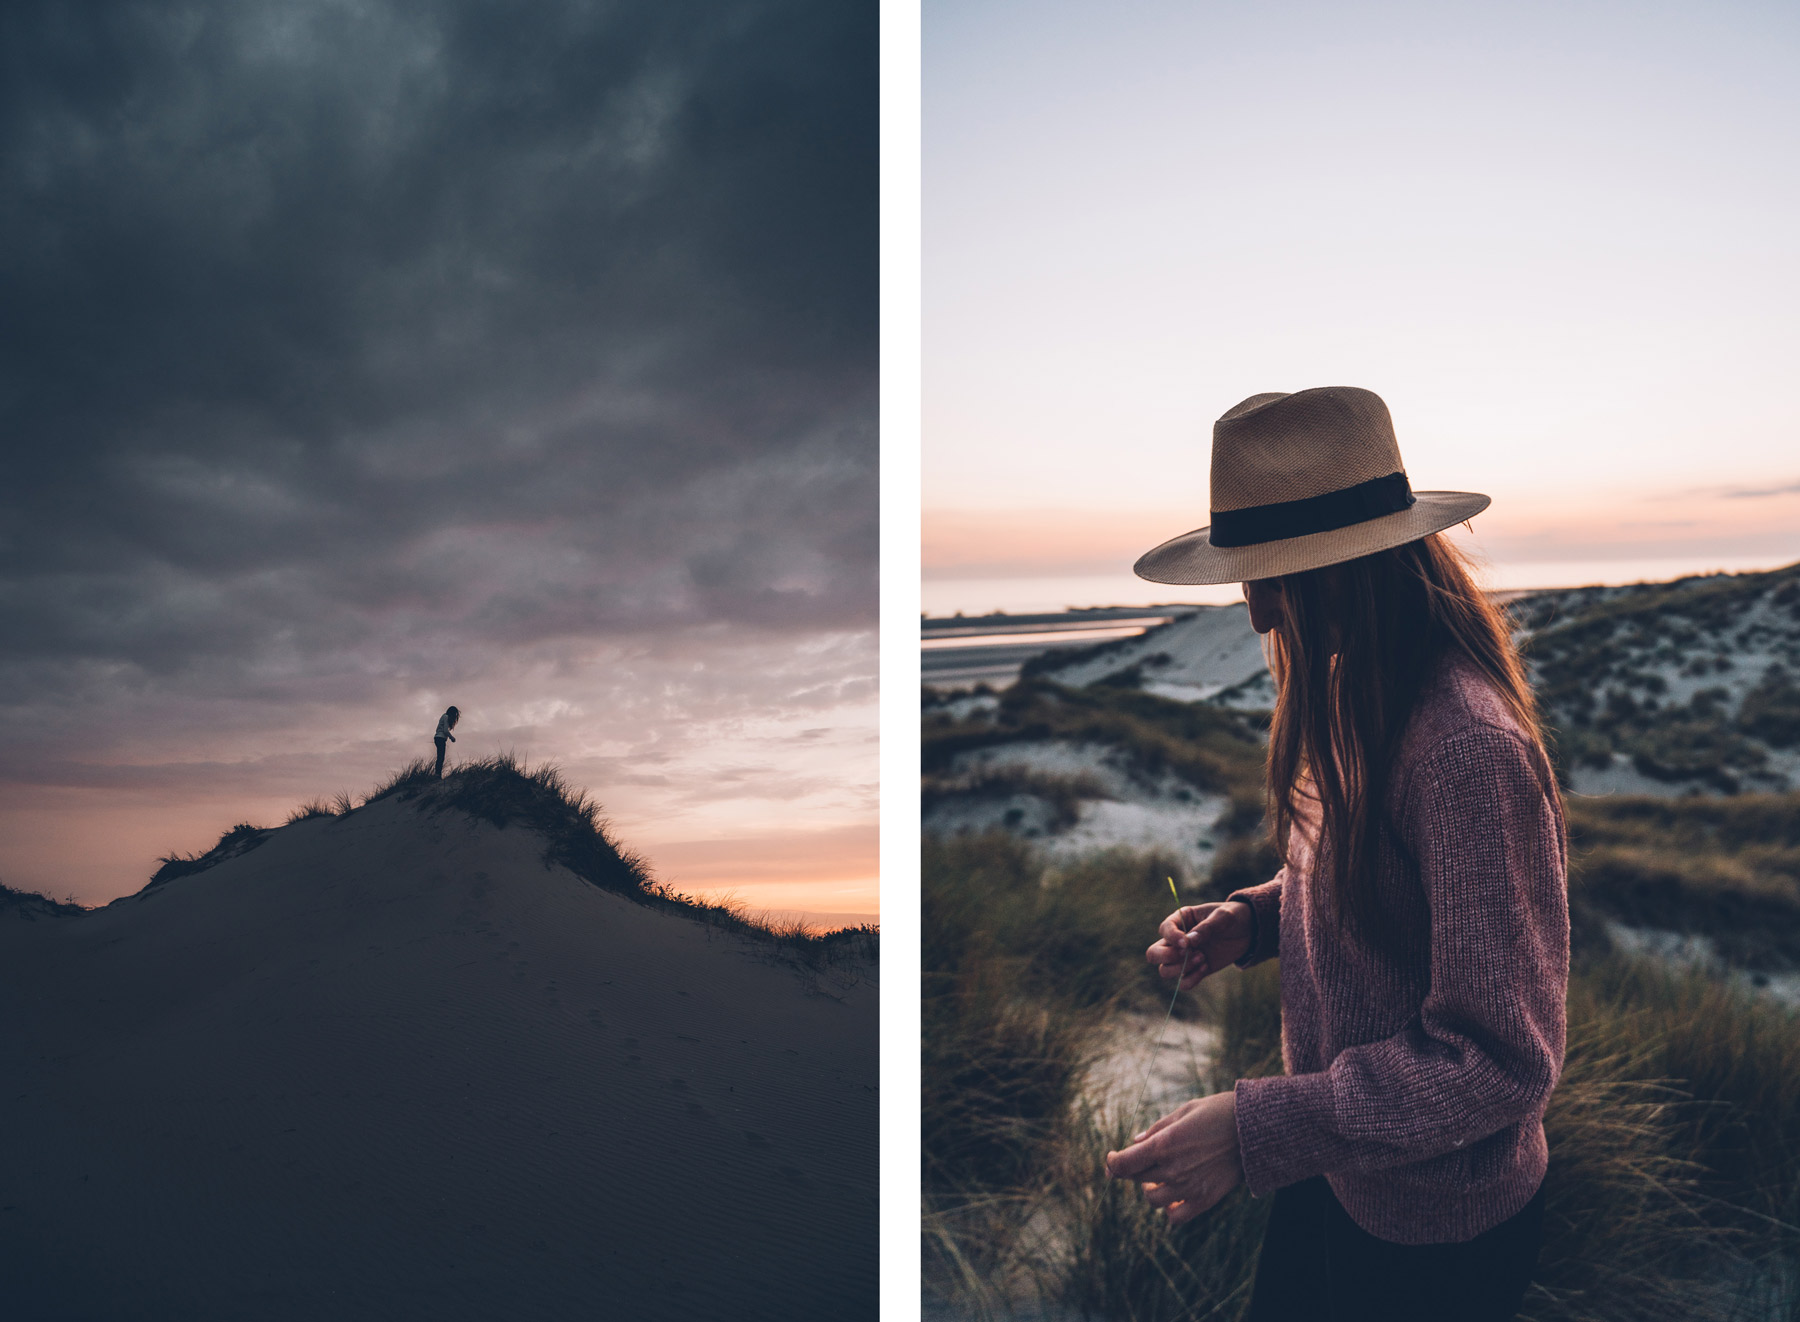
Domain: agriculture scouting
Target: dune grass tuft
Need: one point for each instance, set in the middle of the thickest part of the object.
(236, 842)
(1674, 1183)
(504, 791)
(1727, 869)
(34, 905)
(1209, 747)
(415, 775)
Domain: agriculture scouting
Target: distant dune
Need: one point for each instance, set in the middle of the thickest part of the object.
(406, 1063)
(1650, 688)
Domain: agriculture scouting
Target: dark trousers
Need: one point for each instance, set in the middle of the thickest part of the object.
(440, 766)
(1317, 1265)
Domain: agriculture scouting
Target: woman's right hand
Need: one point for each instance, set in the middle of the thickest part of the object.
(1209, 937)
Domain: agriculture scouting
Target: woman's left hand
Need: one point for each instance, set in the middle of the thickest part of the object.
(1188, 1160)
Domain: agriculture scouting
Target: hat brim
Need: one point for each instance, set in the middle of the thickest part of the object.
(1192, 559)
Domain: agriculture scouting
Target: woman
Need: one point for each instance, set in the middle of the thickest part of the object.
(1421, 914)
(446, 723)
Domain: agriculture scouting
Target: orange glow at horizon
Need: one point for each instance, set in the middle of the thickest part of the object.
(1587, 526)
(119, 836)
(834, 870)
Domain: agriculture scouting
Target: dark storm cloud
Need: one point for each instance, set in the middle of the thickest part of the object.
(341, 339)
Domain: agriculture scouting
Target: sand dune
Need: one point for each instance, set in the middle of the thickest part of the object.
(1212, 653)
(393, 1066)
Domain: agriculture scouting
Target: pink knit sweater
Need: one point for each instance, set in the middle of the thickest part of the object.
(1417, 1085)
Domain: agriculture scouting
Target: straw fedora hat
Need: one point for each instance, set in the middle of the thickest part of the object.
(1302, 481)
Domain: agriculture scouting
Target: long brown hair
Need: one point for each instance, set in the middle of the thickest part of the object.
(1355, 647)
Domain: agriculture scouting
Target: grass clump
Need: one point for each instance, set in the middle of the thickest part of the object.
(1604, 661)
(1674, 1183)
(408, 780)
(32, 906)
(1771, 710)
(1023, 965)
(1064, 794)
(503, 791)
(1725, 869)
(1210, 748)
(235, 843)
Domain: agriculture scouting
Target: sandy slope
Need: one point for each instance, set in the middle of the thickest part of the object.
(391, 1066)
(1206, 655)
(1134, 807)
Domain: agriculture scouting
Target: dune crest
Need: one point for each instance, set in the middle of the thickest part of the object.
(413, 1061)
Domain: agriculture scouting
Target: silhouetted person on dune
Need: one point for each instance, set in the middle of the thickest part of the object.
(446, 723)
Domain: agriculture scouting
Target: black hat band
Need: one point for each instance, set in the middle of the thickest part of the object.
(1300, 518)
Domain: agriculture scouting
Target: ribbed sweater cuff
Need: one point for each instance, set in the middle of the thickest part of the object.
(1285, 1130)
(1265, 910)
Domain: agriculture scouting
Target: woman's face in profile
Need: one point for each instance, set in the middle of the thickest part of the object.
(1264, 599)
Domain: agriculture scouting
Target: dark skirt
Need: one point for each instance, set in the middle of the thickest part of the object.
(1317, 1265)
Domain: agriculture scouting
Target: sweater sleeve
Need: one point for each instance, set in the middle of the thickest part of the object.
(1486, 1047)
(1265, 919)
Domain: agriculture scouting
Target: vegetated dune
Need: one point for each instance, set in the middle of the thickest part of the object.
(1211, 654)
(395, 1064)
(1649, 688)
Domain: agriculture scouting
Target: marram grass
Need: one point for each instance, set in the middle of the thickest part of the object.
(1674, 1182)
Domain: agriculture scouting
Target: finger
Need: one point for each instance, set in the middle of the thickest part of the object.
(1196, 971)
(1162, 1122)
(1203, 936)
(1168, 949)
(1161, 1195)
(1185, 1211)
(1137, 1162)
(1184, 919)
(1153, 1127)
(1214, 924)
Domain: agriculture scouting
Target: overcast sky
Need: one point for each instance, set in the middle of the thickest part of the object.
(358, 359)
(1555, 235)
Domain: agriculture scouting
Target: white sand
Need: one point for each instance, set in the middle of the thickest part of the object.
(1699, 951)
(1141, 811)
(1209, 653)
(393, 1067)
(1162, 1074)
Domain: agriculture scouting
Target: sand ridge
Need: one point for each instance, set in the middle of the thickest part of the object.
(390, 1065)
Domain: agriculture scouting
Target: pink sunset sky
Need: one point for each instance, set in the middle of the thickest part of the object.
(1555, 238)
